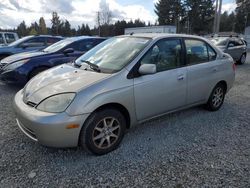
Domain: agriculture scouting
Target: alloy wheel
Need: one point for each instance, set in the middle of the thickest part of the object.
(106, 132)
(217, 97)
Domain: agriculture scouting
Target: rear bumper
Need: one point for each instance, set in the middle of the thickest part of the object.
(48, 129)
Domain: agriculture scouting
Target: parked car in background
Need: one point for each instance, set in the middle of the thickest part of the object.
(22, 67)
(29, 43)
(7, 38)
(234, 46)
(121, 82)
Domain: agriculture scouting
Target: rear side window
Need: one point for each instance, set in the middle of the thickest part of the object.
(196, 51)
(211, 53)
(165, 54)
(36, 42)
(9, 37)
(238, 42)
(1, 39)
(51, 40)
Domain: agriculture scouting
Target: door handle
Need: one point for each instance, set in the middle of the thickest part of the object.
(181, 77)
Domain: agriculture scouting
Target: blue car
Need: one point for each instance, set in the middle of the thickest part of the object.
(21, 67)
(29, 43)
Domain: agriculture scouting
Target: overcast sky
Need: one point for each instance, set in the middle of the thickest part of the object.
(12, 12)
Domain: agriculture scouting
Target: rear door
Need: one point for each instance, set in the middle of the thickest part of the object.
(202, 70)
(165, 90)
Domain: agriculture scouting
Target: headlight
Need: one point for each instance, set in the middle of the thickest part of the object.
(15, 65)
(56, 103)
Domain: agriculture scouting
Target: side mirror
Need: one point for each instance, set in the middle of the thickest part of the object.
(68, 51)
(230, 45)
(147, 69)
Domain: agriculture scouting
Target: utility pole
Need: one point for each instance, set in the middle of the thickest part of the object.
(217, 16)
(99, 24)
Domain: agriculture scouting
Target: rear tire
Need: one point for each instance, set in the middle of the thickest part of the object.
(242, 59)
(216, 98)
(103, 131)
(36, 71)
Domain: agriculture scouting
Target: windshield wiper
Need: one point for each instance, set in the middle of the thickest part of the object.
(92, 65)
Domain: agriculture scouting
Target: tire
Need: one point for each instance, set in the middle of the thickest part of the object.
(36, 71)
(103, 131)
(216, 98)
(242, 59)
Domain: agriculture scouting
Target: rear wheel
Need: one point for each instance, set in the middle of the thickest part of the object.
(36, 71)
(103, 131)
(216, 98)
(242, 59)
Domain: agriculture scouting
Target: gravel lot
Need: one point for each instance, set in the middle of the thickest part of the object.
(191, 148)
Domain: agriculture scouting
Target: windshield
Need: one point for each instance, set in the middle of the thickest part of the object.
(115, 53)
(222, 41)
(58, 45)
(20, 41)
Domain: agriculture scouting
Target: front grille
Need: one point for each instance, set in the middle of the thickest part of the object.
(31, 104)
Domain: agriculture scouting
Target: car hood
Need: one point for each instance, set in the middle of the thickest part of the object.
(21, 56)
(61, 79)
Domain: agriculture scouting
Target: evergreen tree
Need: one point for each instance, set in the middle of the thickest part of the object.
(242, 15)
(22, 29)
(168, 11)
(55, 22)
(199, 14)
(42, 26)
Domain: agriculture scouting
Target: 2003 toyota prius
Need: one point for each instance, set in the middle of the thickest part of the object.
(119, 83)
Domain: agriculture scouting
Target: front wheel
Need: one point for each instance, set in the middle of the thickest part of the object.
(103, 131)
(216, 98)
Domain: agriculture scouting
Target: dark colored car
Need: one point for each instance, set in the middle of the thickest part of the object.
(234, 46)
(22, 67)
(29, 43)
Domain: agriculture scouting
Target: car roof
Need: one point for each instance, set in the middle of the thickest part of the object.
(83, 37)
(163, 35)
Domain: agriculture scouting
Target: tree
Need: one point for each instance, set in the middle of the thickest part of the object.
(55, 22)
(33, 31)
(169, 11)
(42, 26)
(227, 22)
(242, 15)
(199, 15)
(22, 29)
(103, 17)
(67, 29)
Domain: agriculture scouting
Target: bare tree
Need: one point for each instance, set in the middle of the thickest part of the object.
(104, 15)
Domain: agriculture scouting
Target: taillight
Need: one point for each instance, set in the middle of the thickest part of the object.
(234, 67)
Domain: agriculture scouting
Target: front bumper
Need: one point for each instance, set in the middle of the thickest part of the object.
(13, 76)
(48, 129)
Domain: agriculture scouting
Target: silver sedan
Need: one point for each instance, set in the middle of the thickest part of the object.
(121, 82)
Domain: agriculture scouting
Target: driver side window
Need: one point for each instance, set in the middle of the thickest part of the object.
(165, 54)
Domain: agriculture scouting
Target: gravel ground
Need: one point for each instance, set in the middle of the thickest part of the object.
(191, 148)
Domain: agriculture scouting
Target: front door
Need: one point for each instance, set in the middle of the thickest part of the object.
(165, 90)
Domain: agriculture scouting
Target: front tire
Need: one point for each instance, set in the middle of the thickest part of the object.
(103, 131)
(216, 98)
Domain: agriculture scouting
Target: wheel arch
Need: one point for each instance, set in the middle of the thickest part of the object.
(118, 107)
